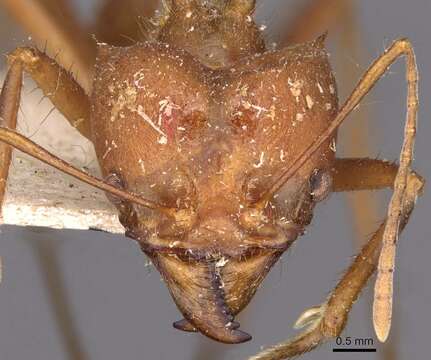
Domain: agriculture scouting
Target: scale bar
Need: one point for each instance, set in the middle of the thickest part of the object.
(354, 350)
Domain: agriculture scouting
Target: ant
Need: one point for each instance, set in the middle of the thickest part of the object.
(215, 151)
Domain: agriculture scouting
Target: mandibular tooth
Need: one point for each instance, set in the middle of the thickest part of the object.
(184, 325)
(209, 313)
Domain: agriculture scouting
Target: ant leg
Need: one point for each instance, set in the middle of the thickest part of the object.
(314, 19)
(59, 32)
(121, 23)
(9, 105)
(328, 320)
(55, 82)
(354, 174)
(339, 17)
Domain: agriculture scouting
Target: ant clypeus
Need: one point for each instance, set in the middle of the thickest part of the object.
(215, 151)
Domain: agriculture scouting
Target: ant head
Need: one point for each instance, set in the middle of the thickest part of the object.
(209, 146)
(217, 33)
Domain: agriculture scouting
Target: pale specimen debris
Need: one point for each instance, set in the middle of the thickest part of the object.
(299, 117)
(261, 161)
(333, 145)
(310, 101)
(164, 138)
(295, 87)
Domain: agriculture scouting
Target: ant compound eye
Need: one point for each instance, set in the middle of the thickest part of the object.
(320, 185)
(114, 179)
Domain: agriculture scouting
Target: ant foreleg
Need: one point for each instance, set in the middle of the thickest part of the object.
(56, 83)
(125, 22)
(59, 33)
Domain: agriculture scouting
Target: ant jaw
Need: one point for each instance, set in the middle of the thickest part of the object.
(212, 290)
(214, 270)
(198, 290)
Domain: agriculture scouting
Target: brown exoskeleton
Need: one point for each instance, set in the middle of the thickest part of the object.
(215, 152)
